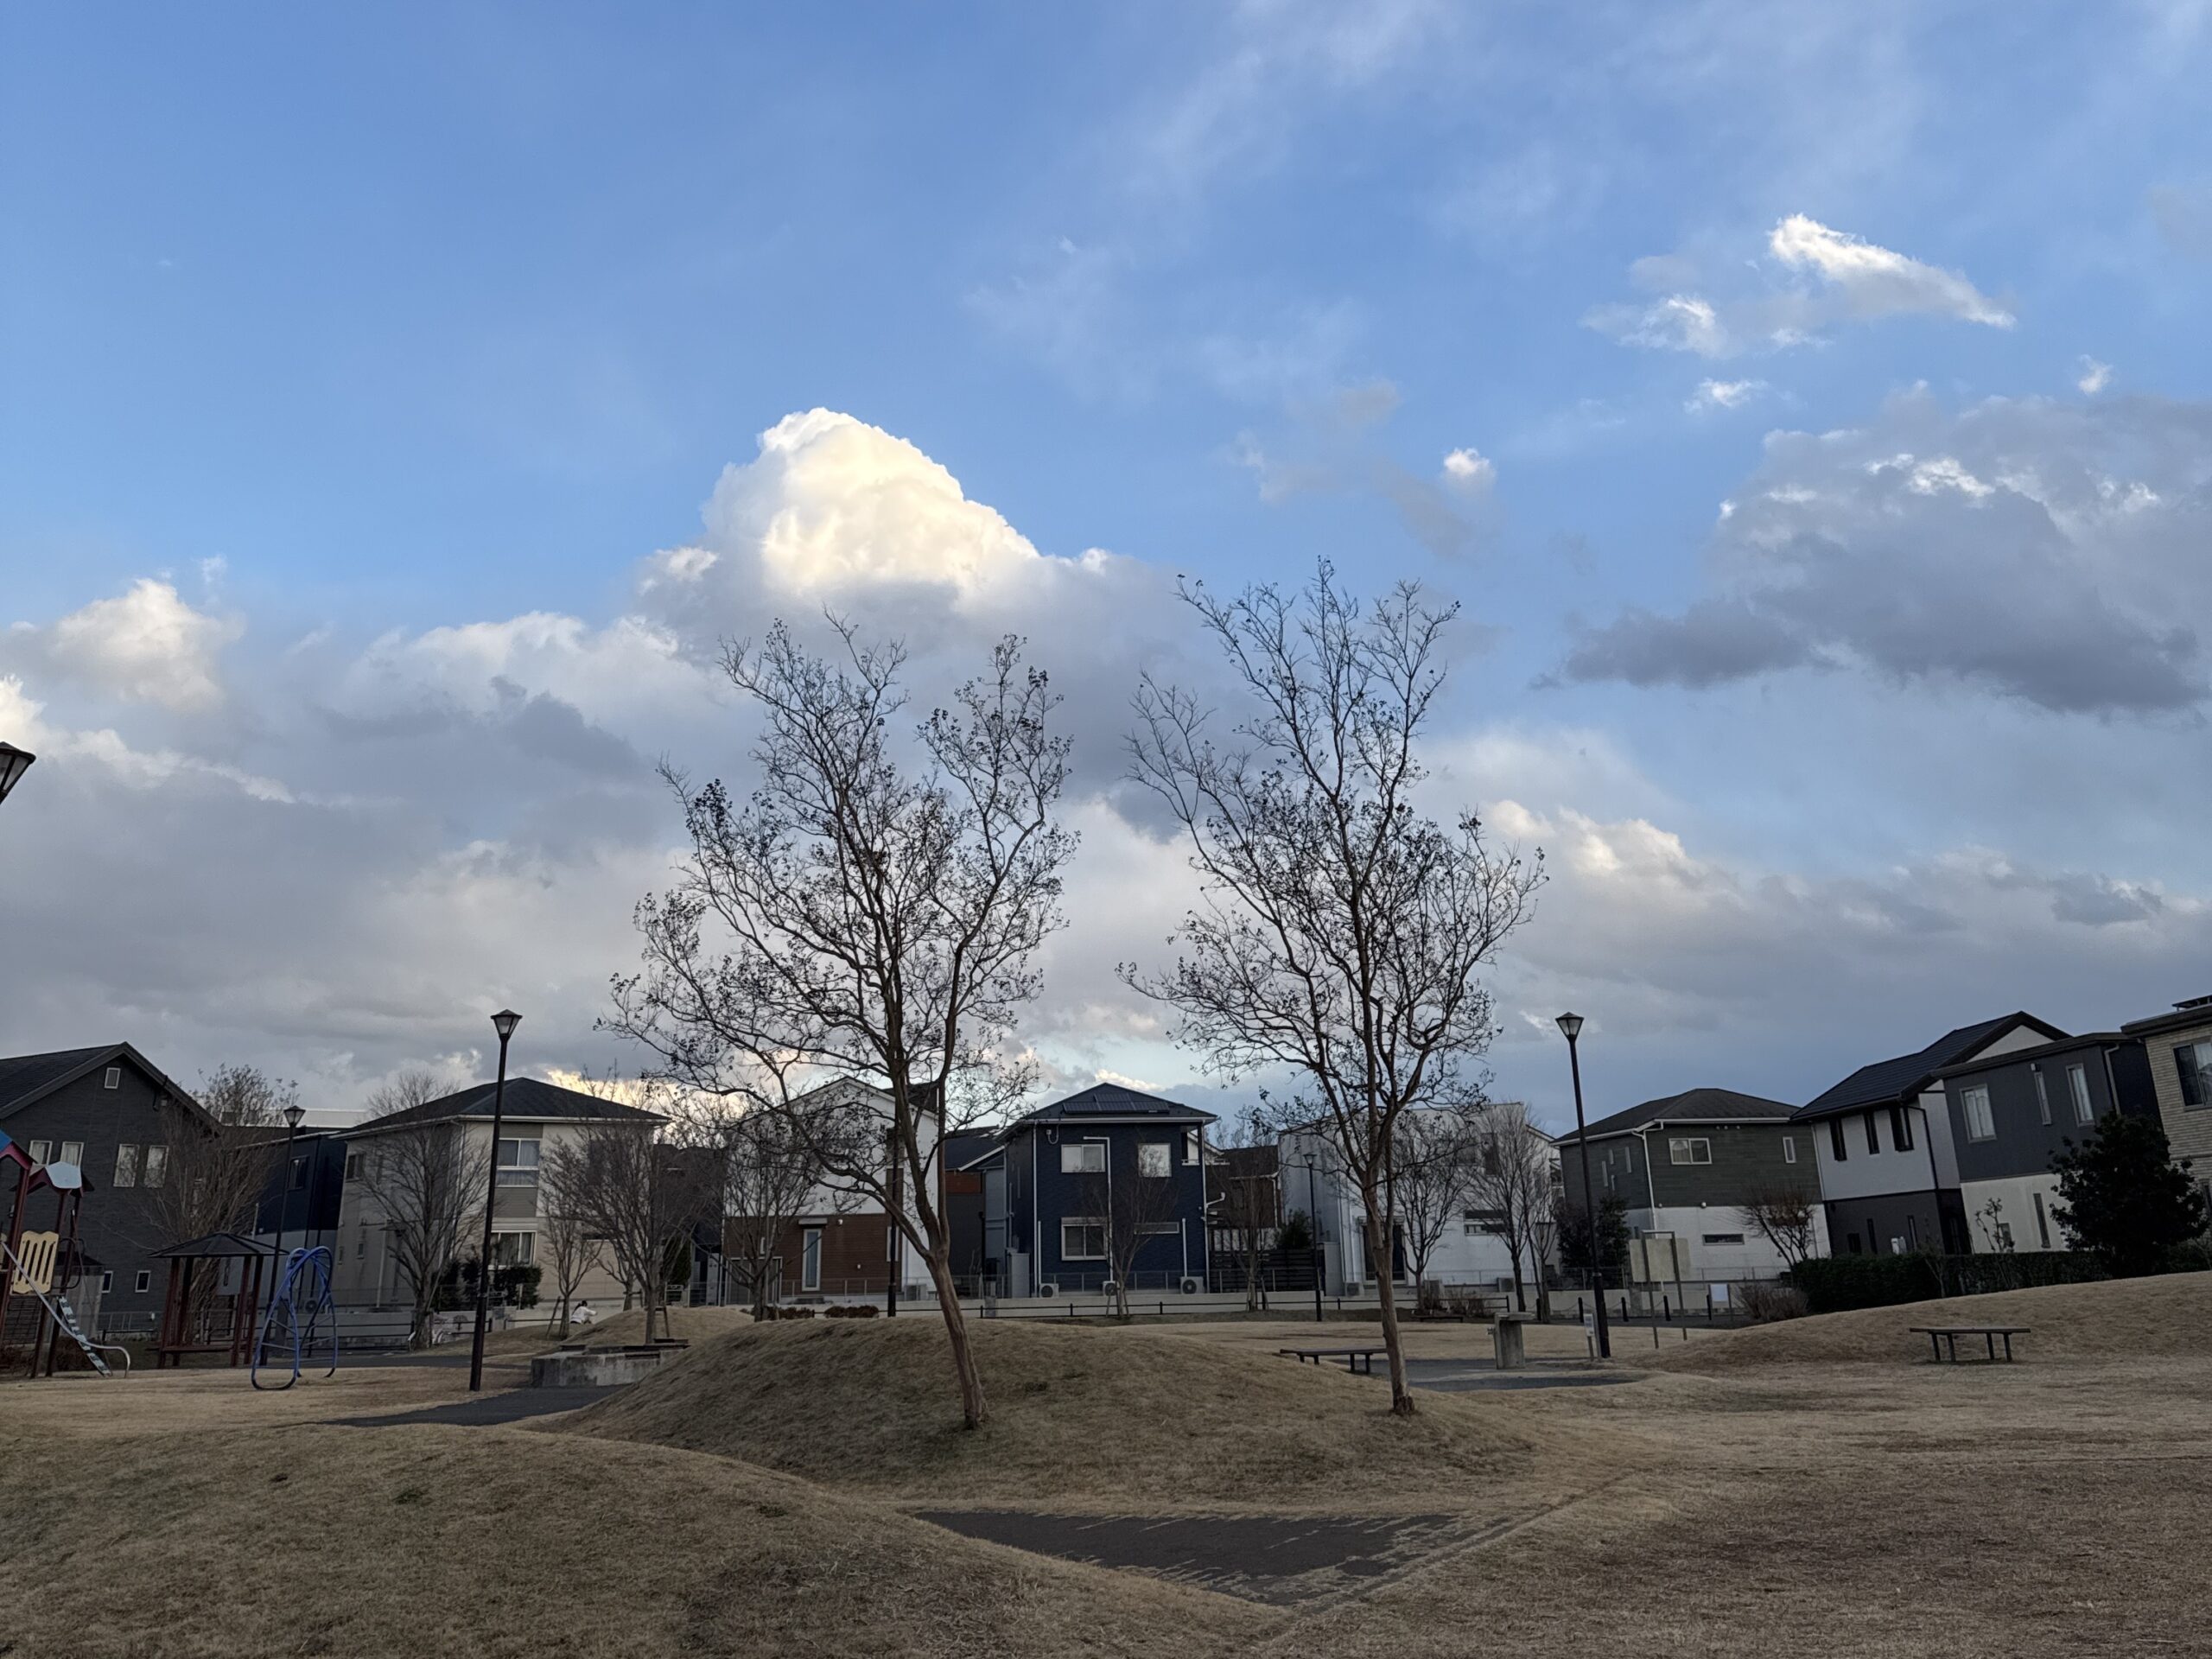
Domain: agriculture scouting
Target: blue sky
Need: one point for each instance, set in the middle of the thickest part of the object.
(336, 350)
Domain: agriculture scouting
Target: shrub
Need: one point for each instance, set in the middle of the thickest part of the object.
(1834, 1284)
(852, 1310)
(1764, 1302)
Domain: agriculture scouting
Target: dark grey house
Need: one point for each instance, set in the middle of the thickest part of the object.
(111, 1111)
(2010, 1113)
(1083, 1169)
(1686, 1165)
(1888, 1161)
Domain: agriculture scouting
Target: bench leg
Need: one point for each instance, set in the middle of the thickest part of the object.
(1951, 1340)
(2008, 1347)
(1935, 1349)
(1989, 1340)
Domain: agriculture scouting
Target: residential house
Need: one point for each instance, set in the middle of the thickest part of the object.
(538, 1118)
(110, 1110)
(1244, 1217)
(2010, 1113)
(842, 1244)
(1316, 1182)
(1889, 1164)
(1106, 1159)
(2177, 1046)
(1685, 1166)
(307, 1185)
(965, 1184)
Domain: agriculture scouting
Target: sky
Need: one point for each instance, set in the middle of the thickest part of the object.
(1810, 407)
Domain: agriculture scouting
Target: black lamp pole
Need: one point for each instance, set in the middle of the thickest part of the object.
(293, 1113)
(1314, 1221)
(1571, 1026)
(504, 1022)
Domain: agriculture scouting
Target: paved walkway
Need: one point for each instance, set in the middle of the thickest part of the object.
(1280, 1560)
(508, 1406)
(1481, 1376)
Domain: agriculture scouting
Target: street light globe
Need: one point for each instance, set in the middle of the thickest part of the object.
(1570, 1026)
(14, 763)
(293, 1113)
(504, 1023)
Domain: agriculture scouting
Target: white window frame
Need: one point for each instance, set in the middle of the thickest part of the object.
(127, 1160)
(107, 1279)
(1683, 1149)
(1160, 1229)
(1155, 1152)
(524, 1170)
(1193, 1147)
(1981, 1125)
(153, 1169)
(2042, 1094)
(145, 1280)
(40, 1150)
(1789, 1148)
(113, 1079)
(1724, 1240)
(2077, 1086)
(1086, 1224)
(809, 1258)
(525, 1252)
(73, 1152)
(1082, 1157)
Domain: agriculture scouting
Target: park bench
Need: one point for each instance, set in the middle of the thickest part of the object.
(1941, 1335)
(1354, 1359)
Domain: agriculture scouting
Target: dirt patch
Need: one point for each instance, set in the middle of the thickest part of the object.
(2150, 1318)
(1105, 1417)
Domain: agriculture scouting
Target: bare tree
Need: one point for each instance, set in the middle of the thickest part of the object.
(1248, 1211)
(1130, 1207)
(1430, 1167)
(429, 1180)
(870, 915)
(1340, 932)
(1511, 1177)
(772, 1179)
(210, 1175)
(634, 1191)
(1789, 1218)
(566, 1248)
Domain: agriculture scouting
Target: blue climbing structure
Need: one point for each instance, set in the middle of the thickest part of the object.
(301, 1321)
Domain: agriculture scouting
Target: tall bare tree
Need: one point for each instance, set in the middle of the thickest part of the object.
(566, 1248)
(216, 1165)
(871, 915)
(1511, 1177)
(1248, 1211)
(1430, 1167)
(1340, 932)
(428, 1179)
(772, 1177)
(636, 1192)
(1129, 1205)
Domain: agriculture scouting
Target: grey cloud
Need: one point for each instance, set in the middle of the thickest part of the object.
(546, 728)
(2046, 552)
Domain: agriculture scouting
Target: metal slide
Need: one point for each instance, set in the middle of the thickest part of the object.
(58, 1309)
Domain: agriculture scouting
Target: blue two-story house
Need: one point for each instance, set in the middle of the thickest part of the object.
(1105, 1175)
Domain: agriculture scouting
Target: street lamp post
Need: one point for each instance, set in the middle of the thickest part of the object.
(1570, 1026)
(1313, 1223)
(293, 1113)
(14, 763)
(504, 1022)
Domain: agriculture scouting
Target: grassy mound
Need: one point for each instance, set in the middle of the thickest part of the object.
(2122, 1319)
(426, 1540)
(1107, 1414)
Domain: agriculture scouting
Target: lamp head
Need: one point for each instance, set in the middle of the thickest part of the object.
(504, 1023)
(293, 1113)
(1570, 1026)
(14, 763)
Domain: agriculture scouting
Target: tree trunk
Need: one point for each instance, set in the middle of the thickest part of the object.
(1378, 1251)
(1519, 1295)
(973, 1413)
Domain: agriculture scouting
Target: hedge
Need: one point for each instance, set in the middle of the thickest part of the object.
(1834, 1283)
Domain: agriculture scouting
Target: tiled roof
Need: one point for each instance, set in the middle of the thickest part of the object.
(1107, 1100)
(1892, 1079)
(529, 1100)
(1695, 1106)
(24, 1075)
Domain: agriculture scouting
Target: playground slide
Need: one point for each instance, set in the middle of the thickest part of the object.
(57, 1309)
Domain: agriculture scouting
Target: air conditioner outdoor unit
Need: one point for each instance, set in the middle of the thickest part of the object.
(1354, 1287)
(1190, 1287)
(1048, 1287)
(1110, 1288)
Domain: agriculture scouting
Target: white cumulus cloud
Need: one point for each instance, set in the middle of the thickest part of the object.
(145, 645)
(1469, 470)
(1723, 394)
(2095, 377)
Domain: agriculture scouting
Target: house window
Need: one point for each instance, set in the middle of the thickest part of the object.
(518, 1164)
(1912, 1232)
(73, 1152)
(145, 1280)
(1980, 1125)
(39, 1150)
(1682, 1150)
(2042, 1095)
(126, 1166)
(1160, 1229)
(1192, 1150)
(2042, 1223)
(352, 1166)
(1153, 1159)
(1724, 1238)
(2077, 1083)
(1901, 1126)
(157, 1166)
(1851, 1242)
(1836, 1147)
(513, 1249)
(1873, 1141)
(299, 1172)
(113, 1079)
(1475, 1221)
(2194, 1062)
(1789, 1148)
(810, 1259)
(1084, 1158)
(1082, 1238)
(107, 1281)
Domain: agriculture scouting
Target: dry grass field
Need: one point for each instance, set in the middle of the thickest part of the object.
(1805, 1488)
